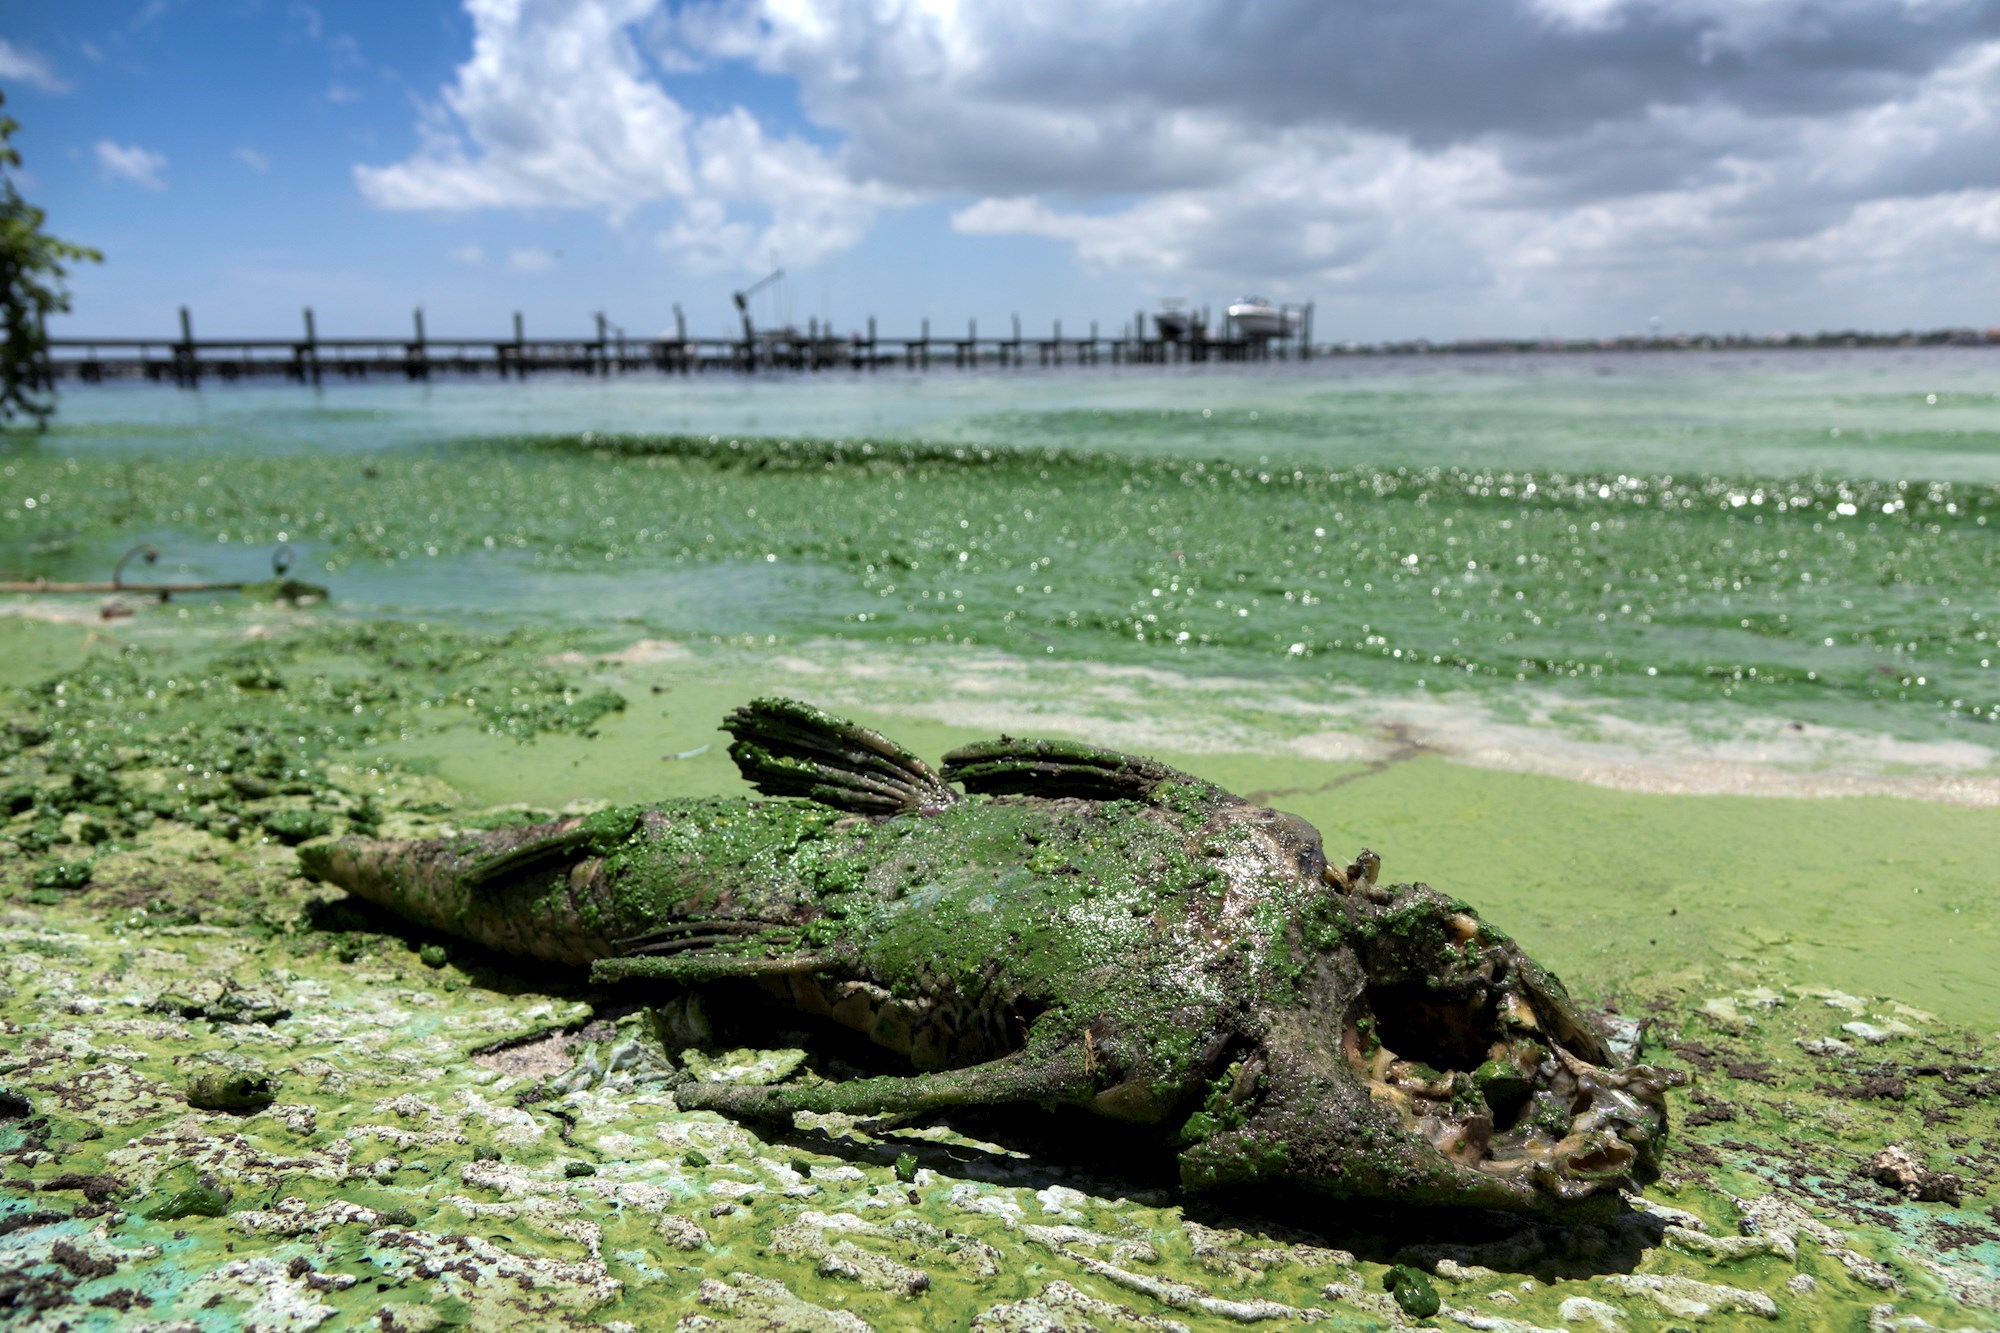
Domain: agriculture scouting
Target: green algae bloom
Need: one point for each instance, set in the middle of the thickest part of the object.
(419, 1138)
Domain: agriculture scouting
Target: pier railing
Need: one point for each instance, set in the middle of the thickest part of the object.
(187, 360)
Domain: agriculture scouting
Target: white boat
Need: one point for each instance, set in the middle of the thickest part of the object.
(1257, 320)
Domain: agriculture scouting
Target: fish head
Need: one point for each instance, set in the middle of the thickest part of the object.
(1405, 1050)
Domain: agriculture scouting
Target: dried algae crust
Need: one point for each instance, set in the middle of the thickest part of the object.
(450, 1142)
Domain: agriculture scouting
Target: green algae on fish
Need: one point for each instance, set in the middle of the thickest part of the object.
(1082, 928)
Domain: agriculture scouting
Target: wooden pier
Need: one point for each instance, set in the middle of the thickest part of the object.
(188, 361)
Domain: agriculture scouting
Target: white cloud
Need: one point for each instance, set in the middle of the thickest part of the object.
(553, 110)
(253, 159)
(341, 94)
(808, 209)
(129, 162)
(1887, 206)
(20, 65)
(468, 254)
(1339, 207)
(1931, 236)
(1523, 153)
(530, 259)
(1548, 150)
(1104, 97)
(556, 109)
(1587, 15)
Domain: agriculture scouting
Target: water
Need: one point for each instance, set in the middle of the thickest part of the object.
(1655, 572)
(1865, 413)
(1782, 558)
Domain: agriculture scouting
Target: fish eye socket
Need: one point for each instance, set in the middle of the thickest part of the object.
(1296, 833)
(1482, 1062)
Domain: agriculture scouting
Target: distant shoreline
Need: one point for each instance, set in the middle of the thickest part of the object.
(1678, 342)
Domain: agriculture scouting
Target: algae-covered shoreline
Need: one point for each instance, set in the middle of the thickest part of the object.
(448, 1138)
(1714, 741)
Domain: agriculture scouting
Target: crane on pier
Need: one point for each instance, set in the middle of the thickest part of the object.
(742, 300)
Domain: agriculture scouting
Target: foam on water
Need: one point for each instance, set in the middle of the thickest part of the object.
(1147, 710)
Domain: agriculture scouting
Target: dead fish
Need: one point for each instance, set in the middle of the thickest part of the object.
(1076, 927)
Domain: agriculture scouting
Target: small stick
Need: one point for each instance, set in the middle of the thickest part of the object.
(281, 560)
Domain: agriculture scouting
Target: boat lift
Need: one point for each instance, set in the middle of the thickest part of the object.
(742, 300)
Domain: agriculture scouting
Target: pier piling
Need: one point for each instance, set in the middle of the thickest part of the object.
(308, 351)
(187, 371)
(418, 365)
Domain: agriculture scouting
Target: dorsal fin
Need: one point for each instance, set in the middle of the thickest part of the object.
(1012, 766)
(787, 748)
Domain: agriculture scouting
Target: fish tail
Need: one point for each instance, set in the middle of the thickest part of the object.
(529, 890)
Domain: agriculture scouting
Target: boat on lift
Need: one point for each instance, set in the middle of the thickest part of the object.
(1172, 320)
(1257, 320)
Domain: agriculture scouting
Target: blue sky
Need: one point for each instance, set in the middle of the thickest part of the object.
(1458, 168)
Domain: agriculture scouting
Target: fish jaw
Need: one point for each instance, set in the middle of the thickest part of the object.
(1320, 1132)
(1415, 1054)
(1314, 1125)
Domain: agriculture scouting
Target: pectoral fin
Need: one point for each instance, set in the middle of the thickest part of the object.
(695, 969)
(1048, 1076)
(695, 949)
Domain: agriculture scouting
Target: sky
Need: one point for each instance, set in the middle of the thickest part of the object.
(1415, 168)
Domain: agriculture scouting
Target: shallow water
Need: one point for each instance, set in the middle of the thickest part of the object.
(1686, 549)
(1916, 413)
